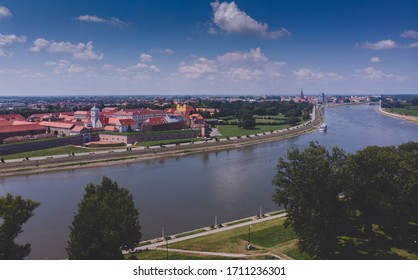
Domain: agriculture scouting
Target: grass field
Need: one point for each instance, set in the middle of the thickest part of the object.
(166, 142)
(271, 238)
(402, 111)
(162, 255)
(233, 130)
(57, 151)
(267, 238)
(49, 152)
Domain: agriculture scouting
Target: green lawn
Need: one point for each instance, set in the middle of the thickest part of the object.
(402, 111)
(166, 142)
(297, 254)
(271, 236)
(162, 255)
(233, 130)
(265, 234)
(48, 152)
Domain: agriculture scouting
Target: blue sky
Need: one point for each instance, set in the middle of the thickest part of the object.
(51, 47)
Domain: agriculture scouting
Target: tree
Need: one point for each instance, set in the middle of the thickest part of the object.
(106, 223)
(293, 121)
(308, 186)
(14, 211)
(247, 121)
(374, 186)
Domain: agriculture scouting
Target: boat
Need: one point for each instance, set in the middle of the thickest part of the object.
(323, 127)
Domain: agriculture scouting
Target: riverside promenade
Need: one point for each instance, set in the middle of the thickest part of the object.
(161, 243)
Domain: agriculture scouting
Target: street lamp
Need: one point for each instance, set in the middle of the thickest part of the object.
(166, 241)
(249, 238)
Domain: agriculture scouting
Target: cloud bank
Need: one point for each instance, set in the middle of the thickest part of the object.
(231, 19)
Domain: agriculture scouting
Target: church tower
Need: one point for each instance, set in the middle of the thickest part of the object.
(302, 96)
(94, 114)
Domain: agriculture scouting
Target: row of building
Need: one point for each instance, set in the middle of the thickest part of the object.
(15, 128)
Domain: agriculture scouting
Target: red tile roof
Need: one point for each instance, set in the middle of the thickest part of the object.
(126, 122)
(156, 120)
(21, 122)
(78, 128)
(18, 128)
(4, 122)
(109, 109)
(58, 124)
(81, 113)
(12, 117)
(110, 128)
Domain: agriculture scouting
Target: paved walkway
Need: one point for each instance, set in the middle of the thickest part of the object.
(160, 243)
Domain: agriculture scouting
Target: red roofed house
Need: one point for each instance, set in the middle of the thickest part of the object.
(5, 122)
(12, 117)
(138, 115)
(211, 111)
(110, 109)
(20, 130)
(111, 128)
(79, 115)
(122, 125)
(58, 128)
(79, 129)
(164, 123)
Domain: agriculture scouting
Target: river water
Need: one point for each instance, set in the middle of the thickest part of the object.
(185, 193)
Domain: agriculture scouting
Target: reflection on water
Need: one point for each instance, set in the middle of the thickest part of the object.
(184, 193)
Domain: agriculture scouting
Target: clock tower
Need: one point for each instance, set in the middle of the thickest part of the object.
(94, 114)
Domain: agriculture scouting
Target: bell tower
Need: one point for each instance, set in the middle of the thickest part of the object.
(94, 114)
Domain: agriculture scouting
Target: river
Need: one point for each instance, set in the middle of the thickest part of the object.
(185, 193)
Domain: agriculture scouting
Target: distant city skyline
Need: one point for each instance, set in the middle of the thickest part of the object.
(246, 47)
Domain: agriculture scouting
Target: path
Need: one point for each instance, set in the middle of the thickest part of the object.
(160, 243)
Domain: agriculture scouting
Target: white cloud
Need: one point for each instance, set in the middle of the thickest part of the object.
(413, 45)
(230, 18)
(108, 67)
(372, 74)
(409, 34)
(67, 69)
(144, 66)
(79, 51)
(375, 59)
(33, 75)
(306, 73)
(245, 74)
(252, 65)
(165, 51)
(380, 45)
(199, 68)
(254, 55)
(4, 12)
(7, 40)
(92, 18)
(145, 57)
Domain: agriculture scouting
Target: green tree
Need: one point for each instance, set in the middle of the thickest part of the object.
(309, 186)
(247, 121)
(293, 120)
(375, 187)
(14, 211)
(106, 223)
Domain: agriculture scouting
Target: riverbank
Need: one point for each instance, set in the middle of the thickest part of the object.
(231, 228)
(397, 116)
(106, 158)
